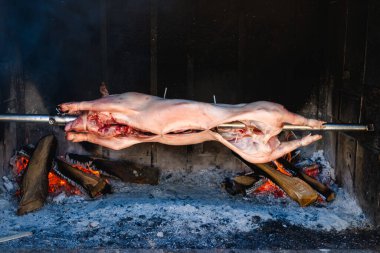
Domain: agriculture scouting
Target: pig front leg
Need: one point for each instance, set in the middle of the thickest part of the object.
(115, 143)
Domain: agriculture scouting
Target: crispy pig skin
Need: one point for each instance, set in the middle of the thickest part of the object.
(120, 121)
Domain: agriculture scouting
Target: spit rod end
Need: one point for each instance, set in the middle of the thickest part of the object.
(371, 127)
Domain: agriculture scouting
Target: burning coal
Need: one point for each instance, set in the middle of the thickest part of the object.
(56, 184)
(39, 173)
(281, 178)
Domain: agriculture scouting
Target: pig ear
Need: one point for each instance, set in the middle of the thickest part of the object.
(286, 147)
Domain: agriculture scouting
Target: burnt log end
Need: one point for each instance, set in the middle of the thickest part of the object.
(34, 187)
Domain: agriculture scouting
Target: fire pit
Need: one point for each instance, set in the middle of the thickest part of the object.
(317, 58)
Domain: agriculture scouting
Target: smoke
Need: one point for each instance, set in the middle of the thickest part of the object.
(58, 44)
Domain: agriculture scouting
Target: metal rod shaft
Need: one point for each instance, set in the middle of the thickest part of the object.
(332, 127)
(36, 118)
(325, 127)
(62, 120)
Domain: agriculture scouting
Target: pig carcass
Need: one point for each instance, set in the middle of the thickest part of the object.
(120, 121)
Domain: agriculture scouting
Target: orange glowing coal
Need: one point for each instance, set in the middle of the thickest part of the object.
(312, 170)
(57, 184)
(269, 186)
(21, 164)
(87, 170)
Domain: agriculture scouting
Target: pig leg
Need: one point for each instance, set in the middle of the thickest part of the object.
(127, 103)
(112, 143)
(102, 104)
(296, 119)
(289, 146)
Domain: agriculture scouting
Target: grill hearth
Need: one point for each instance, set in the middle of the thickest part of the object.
(205, 61)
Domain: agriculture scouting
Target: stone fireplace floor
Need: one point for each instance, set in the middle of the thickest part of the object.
(188, 209)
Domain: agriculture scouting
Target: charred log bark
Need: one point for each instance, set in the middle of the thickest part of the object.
(89, 184)
(126, 171)
(325, 191)
(34, 188)
(295, 188)
(129, 172)
(242, 184)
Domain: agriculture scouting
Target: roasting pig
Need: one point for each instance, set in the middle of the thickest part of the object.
(120, 121)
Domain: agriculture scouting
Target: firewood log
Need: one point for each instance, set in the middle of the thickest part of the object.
(126, 171)
(89, 184)
(34, 187)
(295, 188)
(325, 191)
(129, 172)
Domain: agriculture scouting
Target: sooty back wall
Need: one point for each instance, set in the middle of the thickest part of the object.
(241, 51)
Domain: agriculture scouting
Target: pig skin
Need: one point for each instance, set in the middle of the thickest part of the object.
(120, 121)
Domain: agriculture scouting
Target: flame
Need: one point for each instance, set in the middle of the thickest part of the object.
(270, 187)
(87, 170)
(281, 168)
(57, 184)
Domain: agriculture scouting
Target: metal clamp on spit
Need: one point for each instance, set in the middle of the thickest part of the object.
(64, 119)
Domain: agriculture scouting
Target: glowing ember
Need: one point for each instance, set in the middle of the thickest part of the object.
(21, 164)
(87, 170)
(57, 184)
(312, 170)
(270, 187)
(281, 168)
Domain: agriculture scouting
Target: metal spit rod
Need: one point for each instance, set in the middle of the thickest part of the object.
(37, 118)
(62, 120)
(325, 127)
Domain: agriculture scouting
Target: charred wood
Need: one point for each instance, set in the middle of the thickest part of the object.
(232, 187)
(126, 171)
(243, 184)
(89, 184)
(325, 191)
(295, 188)
(34, 187)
